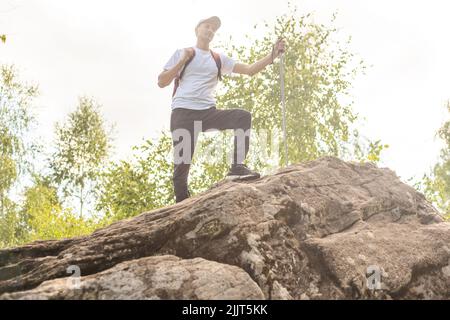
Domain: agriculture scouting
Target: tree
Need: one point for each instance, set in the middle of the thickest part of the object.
(436, 184)
(13, 225)
(318, 74)
(3, 38)
(15, 123)
(82, 147)
(46, 218)
(128, 188)
(8, 167)
(16, 148)
(41, 216)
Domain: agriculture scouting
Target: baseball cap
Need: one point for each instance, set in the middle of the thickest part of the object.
(214, 20)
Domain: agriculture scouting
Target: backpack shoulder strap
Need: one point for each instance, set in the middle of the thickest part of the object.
(218, 61)
(178, 77)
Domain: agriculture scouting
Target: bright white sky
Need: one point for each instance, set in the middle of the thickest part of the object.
(114, 50)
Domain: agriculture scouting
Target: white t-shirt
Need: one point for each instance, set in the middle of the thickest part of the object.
(199, 81)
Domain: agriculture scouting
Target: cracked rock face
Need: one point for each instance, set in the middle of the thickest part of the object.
(325, 229)
(159, 277)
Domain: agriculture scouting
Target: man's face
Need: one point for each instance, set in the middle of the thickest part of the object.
(205, 31)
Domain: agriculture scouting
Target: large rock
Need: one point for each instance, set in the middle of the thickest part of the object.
(319, 230)
(161, 277)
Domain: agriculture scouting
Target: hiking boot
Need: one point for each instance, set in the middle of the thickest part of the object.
(242, 170)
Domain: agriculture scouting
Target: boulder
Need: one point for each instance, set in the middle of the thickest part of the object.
(324, 229)
(155, 278)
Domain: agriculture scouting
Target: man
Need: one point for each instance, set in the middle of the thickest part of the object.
(196, 72)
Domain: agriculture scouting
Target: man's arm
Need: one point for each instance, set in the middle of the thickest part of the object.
(166, 77)
(252, 69)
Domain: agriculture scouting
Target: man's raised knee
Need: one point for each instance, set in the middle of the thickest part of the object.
(246, 117)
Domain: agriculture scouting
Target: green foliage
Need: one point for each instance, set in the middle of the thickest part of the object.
(375, 149)
(3, 38)
(82, 147)
(15, 148)
(16, 118)
(12, 224)
(47, 219)
(128, 188)
(368, 151)
(436, 185)
(318, 75)
(8, 173)
(41, 216)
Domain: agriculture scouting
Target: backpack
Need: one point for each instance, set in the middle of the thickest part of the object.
(216, 57)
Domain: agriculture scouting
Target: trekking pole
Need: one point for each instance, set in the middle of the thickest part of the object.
(283, 103)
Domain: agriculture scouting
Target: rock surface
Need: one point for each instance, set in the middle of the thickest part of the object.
(325, 229)
(160, 277)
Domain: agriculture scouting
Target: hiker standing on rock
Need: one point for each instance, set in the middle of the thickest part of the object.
(196, 72)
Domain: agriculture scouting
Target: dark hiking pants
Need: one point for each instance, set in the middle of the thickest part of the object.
(186, 124)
